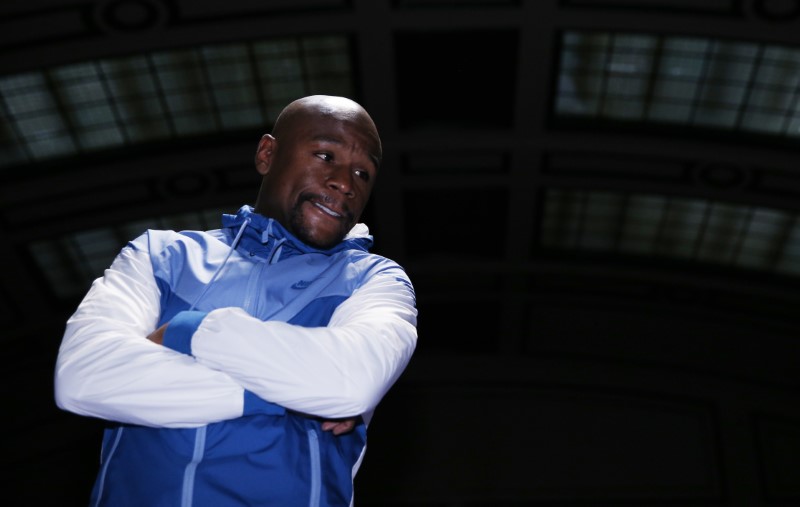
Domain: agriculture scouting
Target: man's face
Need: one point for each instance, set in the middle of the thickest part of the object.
(318, 176)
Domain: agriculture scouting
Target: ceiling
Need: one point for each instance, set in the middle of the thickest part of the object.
(597, 200)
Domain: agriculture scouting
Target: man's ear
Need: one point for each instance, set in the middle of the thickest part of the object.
(266, 147)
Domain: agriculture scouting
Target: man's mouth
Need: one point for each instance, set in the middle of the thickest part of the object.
(331, 207)
(327, 210)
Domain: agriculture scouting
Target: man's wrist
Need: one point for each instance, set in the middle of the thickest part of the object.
(179, 332)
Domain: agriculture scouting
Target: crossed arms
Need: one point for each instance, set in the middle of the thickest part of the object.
(107, 368)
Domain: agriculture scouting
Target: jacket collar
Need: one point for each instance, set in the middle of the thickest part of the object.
(268, 231)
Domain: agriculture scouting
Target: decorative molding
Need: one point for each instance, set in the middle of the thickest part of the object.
(779, 11)
(126, 16)
(716, 7)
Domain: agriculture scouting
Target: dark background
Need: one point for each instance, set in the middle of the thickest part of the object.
(546, 373)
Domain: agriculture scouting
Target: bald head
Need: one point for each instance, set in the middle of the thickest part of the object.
(319, 167)
(314, 107)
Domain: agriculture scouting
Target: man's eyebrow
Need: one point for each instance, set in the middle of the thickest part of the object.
(335, 140)
(327, 139)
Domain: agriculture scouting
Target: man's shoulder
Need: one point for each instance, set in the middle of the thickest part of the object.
(159, 240)
(370, 264)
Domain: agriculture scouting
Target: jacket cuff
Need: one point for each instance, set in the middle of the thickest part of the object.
(179, 332)
(255, 405)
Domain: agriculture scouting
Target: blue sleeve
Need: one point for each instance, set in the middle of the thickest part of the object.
(179, 332)
(178, 336)
(255, 405)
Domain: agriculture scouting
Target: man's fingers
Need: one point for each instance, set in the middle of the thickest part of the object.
(157, 336)
(339, 427)
(344, 427)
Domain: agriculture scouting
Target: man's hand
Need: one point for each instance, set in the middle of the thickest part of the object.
(157, 336)
(339, 426)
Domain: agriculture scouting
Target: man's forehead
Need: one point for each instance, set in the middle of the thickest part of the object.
(332, 120)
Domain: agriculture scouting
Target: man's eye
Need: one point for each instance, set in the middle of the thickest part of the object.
(364, 175)
(327, 157)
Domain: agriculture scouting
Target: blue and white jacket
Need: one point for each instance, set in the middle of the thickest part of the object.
(267, 338)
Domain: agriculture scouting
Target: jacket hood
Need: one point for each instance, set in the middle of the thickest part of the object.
(266, 230)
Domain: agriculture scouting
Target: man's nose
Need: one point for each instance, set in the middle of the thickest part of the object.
(341, 178)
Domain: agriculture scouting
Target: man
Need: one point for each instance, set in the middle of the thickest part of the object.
(240, 366)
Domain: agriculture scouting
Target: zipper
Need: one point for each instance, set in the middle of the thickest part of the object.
(251, 295)
(275, 254)
(316, 472)
(189, 472)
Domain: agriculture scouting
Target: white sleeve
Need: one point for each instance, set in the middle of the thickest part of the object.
(341, 370)
(107, 368)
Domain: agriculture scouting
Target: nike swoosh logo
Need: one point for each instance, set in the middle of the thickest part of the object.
(302, 284)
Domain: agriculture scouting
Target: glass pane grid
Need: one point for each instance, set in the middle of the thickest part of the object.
(687, 229)
(114, 102)
(672, 79)
(70, 263)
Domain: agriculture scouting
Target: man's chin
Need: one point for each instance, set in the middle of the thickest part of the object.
(320, 245)
(318, 241)
(314, 231)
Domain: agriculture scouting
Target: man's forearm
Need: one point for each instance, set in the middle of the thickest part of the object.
(107, 369)
(337, 371)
